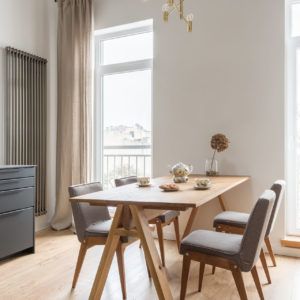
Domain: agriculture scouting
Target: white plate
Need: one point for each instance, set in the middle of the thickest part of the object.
(202, 187)
(144, 185)
(170, 190)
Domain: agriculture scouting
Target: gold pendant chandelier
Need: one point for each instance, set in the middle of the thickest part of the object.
(171, 7)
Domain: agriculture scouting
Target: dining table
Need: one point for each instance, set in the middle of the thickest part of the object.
(135, 206)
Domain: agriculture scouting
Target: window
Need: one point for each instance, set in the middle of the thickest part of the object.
(293, 117)
(123, 102)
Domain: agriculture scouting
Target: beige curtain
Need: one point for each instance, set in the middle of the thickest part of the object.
(75, 38)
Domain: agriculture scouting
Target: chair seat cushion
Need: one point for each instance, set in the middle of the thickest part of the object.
(168, 215)
(232, 218)
(99, 228)
(213, 243)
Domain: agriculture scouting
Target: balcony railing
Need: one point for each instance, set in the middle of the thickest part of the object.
(123, 161)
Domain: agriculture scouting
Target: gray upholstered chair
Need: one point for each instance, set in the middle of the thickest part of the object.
(235, 222)
(166, 218)
(234, 252)
(92, 224)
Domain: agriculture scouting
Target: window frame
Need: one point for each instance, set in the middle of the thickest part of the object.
(102, 70)
(292, 45)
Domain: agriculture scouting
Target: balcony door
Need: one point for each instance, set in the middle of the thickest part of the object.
(123, 101)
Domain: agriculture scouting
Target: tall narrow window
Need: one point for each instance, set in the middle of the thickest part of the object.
(123, 101)
(293, 117)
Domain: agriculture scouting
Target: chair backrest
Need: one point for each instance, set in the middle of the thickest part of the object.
(255, 230)
(278, 187)
(84, 214)
(125, 180)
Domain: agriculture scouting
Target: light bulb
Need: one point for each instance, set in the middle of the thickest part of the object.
(190, 17)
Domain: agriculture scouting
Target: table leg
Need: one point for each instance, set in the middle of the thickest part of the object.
(153, 260)
(107, 256)
(221, 201)
(190, 222)
(193, 214)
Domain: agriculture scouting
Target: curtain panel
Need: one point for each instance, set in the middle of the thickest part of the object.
(75, 40)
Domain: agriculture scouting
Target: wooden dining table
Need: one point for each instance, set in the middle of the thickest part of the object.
(136, 205)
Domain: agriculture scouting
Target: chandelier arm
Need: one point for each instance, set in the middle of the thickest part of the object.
(173, 6)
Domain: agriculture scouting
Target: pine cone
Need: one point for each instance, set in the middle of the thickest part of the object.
(219, 142)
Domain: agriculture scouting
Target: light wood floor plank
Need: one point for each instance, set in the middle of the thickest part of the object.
(48, 275)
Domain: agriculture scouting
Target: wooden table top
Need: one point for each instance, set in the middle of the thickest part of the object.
(153, 197)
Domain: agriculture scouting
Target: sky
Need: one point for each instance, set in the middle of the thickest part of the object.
(127, 99)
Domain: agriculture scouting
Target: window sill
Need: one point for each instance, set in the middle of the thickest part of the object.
(291, 242)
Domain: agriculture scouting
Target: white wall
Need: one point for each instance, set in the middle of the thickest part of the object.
(31, 26)
(226, 76)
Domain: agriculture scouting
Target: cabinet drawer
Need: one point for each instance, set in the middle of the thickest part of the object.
(18, 183)
(16, 172)
(16, 199)
(16, 231)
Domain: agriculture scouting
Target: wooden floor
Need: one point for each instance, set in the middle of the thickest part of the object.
(47, 274)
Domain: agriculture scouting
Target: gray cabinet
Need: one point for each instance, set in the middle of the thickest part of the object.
(17, 198)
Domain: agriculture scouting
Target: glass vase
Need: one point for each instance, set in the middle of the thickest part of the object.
(211, 167)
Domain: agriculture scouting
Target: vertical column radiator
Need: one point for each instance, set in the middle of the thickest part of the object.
(26, 104)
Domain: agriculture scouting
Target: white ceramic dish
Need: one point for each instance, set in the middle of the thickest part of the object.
(202, 188)
(169, 190)
(144, 185)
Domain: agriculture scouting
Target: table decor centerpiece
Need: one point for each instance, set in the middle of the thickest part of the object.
(180, 172)
(219, 143)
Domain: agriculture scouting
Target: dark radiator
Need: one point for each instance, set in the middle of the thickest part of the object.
(26, 104)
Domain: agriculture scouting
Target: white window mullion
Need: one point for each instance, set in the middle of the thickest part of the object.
(126, 32)
(126, 67)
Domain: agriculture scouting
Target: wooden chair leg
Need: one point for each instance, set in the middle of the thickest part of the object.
(201, 273)
(213, 270)
(120, 258)
(80, 259)
(177, 235)
(257, 282)
(184, 276)
(270, 250)
(148, 270)
(239, 282)
(161, 241)
(265, 266)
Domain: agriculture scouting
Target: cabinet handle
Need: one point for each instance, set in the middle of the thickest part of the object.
(9, 170)
(12, 191)
(14, 212)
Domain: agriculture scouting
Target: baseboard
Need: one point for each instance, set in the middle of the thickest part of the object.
(41, 223)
